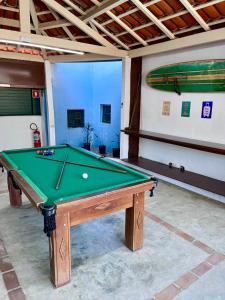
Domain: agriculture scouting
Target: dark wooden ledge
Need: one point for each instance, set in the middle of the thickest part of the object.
(179, 141)
(194, 179)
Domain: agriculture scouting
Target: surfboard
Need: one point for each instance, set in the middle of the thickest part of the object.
(195, 76)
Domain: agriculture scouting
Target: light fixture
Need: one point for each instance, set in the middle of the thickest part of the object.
(4, 85)
(27, 44)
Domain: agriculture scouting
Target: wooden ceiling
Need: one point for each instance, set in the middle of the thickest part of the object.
(121, 24)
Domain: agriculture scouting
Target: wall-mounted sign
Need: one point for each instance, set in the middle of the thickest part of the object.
(35, 93)
(185, 109)
(207, 109)
(166, 108)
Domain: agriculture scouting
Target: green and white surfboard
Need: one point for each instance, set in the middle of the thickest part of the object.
(195, 76)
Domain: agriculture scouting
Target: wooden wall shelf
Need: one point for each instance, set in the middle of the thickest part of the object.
(179, 141)
(194, 179)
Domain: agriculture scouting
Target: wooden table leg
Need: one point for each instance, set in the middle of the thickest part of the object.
(59, 250)
(15, 194)
(135, 223)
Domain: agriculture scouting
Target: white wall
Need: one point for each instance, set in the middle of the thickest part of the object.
(15, 131)
(211, 130)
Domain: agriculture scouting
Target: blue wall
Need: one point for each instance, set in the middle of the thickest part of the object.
(87, 86)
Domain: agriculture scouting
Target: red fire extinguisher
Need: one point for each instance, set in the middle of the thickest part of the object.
(36, 135)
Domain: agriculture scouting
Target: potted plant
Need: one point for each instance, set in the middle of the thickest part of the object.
(102, 146)
(116, 150)
(88, 133)
(102, 149)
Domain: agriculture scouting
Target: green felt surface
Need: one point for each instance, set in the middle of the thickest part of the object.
(42, 174)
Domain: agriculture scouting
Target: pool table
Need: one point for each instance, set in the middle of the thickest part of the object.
(110, 187)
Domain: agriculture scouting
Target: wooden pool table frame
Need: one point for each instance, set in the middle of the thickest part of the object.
(80, 210)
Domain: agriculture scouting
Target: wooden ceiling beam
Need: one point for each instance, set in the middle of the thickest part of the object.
(181, 43)
(20, 56)
(34, 18)
(86, 57)
(24, 7)
(9, 22)
(122, 24)
(61, 43)
(64, 26)
(185, 30)
(153, 18)
(101, 9)
(74, 6)
(127, 28)
(131, 11)
(54, 24)
(194, 14)
(77, 22)
(113, 37)
(178, 14)
(9, 8)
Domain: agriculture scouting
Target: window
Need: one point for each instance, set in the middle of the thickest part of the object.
(75, 118)
(106, 113)
(18, 102)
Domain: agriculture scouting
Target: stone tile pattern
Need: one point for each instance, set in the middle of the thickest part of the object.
(15, 291)
(187, 279)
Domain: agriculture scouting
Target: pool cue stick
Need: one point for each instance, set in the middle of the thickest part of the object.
(85, 165)
(61, 172)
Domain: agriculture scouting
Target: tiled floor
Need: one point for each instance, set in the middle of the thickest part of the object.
(183, 257)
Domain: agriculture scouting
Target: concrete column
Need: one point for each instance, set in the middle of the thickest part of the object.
(125, 106)
(50, 104)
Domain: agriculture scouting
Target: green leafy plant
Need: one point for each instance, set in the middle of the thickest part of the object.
(88, 133)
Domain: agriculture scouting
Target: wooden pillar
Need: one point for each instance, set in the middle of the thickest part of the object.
(59, 250)
(134, 225)
(15, 194)
(135, 103)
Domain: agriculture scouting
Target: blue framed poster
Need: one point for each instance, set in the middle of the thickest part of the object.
(207, 109)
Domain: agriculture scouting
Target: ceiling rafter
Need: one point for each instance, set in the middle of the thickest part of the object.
(77, 22)
(173, 20)
(113, 37)
(8, 22)
(153, 18)
(54, 24)
(181, 31)
(74, 6)
(122, 24)
(36, 23)
(64, 26)
(9, 8)
(127, 28)
(131, 11)
(195, 15)
(101, 9)
(24, 10)
(178, 14)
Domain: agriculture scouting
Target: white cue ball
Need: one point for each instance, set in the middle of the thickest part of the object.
(85, 175)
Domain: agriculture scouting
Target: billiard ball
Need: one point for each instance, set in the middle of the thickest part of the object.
(85, 175)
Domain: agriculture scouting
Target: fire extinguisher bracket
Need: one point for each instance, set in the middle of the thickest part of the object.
(33, 126)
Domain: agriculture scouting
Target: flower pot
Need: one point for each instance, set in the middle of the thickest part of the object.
(102, 149)
(116, 152)
(87, 146)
